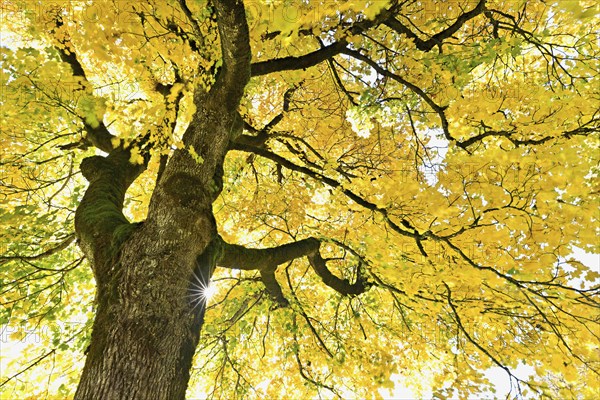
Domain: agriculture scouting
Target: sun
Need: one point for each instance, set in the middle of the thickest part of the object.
(201, 292)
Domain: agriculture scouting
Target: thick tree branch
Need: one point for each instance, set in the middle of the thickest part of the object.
(342, 286)
(235, 48)
(100, 224)
(273, 287)
(98, 136)
(240, 257)
(267, 260)
(324, 53)
(300, 62)
(181, 205)
(99, 220)
(438, 38)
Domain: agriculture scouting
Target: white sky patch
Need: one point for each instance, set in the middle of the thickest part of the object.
(589, 259)
(435, 163)
(401, 391)
(496, 375)
(360, 121)
(502, 381)
(321, 196)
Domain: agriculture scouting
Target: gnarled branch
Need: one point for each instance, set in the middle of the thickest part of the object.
(342, 286)
(100, 223)
(324, 53)
(240, 257)
(98, 136)
(267, 260)
(235, 48)
(438, 38)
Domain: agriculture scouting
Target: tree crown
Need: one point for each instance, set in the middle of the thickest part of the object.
(436, 161)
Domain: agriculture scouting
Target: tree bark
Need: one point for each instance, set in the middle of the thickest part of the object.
(149, 315)
(150, 275)
(146, 328)
(147, 323)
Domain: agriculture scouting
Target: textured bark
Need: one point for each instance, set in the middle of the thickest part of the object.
(146, 328)
(240, 257)
(267, 260)
(148, 317)
(149, 314)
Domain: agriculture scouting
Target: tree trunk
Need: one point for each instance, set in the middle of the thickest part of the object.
(149, 275)
(147, 327)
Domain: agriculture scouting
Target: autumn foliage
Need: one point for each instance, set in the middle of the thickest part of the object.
(431, 166)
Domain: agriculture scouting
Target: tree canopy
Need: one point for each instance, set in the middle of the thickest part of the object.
(401, 190)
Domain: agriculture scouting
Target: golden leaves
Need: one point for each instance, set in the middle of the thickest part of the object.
(482, 235)
(198, 158)
(135, 156)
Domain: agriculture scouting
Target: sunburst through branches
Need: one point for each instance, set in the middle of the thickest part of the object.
(201, 291)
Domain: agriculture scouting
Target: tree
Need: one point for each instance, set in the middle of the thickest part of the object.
(368, 193)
